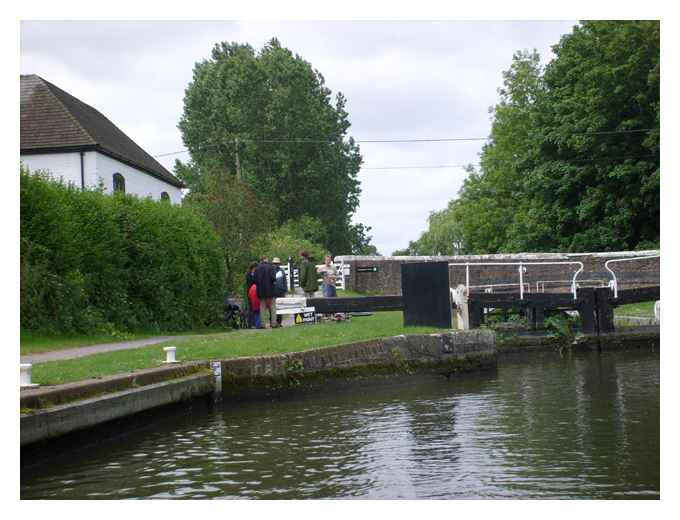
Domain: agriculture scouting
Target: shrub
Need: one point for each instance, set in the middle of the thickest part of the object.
(92, 262)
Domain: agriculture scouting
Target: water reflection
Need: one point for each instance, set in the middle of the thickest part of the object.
(542, 426)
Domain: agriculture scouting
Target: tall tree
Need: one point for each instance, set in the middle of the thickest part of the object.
(596, 190)
(573, 159)
(269, 118)
(237, 216)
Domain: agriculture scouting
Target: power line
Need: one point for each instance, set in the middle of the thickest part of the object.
(569, 160)
(306, 140)
(437, 166)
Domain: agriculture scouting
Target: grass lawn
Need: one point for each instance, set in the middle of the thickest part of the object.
(32, 343)
(226, 345)
(642, 309)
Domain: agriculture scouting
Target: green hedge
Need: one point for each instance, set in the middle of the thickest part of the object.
(93, 262)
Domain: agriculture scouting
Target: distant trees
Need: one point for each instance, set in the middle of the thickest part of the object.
(573, 160)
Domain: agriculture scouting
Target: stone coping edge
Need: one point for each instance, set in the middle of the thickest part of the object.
(447, 353)
(48, 396)
(66, 418)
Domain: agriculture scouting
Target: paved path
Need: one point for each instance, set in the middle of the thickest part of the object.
(71, 353)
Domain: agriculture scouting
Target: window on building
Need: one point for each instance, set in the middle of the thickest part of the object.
(165, 196)
(118, 183)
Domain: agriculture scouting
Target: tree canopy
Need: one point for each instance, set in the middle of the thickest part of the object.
(572, 163)
(268, 118)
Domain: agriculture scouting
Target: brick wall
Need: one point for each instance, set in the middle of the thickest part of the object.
(387, 279)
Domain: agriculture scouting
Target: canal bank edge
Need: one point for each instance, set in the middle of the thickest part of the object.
(51, 412)
(622, 339)
(444, 353)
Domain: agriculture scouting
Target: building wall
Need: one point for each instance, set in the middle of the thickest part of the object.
(136, 181)
(99, 167)
(65, 166)
(382, 275)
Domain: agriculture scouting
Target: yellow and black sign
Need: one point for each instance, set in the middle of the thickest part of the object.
(306, 317)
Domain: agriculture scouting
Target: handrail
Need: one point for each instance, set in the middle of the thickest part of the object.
(521, 269)
(614, 283)
(492, 285)
(562, 282)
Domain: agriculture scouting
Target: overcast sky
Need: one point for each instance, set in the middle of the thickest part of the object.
(401, 80)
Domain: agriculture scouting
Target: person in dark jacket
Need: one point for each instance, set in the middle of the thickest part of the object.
(264, 279)
(308, 275)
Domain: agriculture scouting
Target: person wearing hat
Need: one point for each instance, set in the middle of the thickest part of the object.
(280, 285)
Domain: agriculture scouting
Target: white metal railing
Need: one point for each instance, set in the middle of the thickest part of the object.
(614, 283)
(540, 284)
(488, 288)
(521, 268)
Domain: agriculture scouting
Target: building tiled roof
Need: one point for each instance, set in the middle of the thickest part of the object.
(53, 120)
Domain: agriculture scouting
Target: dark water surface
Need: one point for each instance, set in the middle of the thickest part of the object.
(541, 426)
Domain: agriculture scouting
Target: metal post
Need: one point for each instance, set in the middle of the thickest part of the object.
(467, 279)
(521, 281)
(290, 275)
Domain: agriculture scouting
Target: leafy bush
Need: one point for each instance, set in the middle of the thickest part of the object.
(277, 243)
(92, 262)
(560, 324)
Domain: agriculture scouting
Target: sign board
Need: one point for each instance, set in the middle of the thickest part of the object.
(306, 317)
(368, 269)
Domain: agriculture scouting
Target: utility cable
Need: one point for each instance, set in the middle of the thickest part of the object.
(305, 140)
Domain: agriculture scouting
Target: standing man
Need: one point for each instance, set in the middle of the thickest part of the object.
(280, 286)
(264, 280)
(330, 273)
(308, 280)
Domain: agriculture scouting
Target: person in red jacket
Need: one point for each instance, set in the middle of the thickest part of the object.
(254, 307)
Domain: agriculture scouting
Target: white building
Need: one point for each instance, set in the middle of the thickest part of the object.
(77, 143)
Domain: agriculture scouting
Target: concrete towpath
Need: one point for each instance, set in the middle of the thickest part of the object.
(76, 352)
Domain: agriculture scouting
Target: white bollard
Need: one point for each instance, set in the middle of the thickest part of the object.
(170, 355)
(657, 311)
(25, 376)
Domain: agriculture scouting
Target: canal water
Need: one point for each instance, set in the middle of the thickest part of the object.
(540, 426)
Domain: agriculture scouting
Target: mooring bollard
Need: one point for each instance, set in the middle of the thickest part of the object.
(25, 376)
(170, 355)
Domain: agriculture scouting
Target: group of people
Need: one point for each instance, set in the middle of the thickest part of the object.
(265, 282)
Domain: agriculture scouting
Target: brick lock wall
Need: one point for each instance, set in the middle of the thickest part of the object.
(387, 279)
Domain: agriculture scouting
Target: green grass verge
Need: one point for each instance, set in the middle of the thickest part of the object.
(35, 343)
(641, 309)
(227, 345)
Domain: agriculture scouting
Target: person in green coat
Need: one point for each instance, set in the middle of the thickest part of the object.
(308, 275)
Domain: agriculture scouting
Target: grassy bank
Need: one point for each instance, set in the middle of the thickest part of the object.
(642, 309)
(226, 345)
(35, 343)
